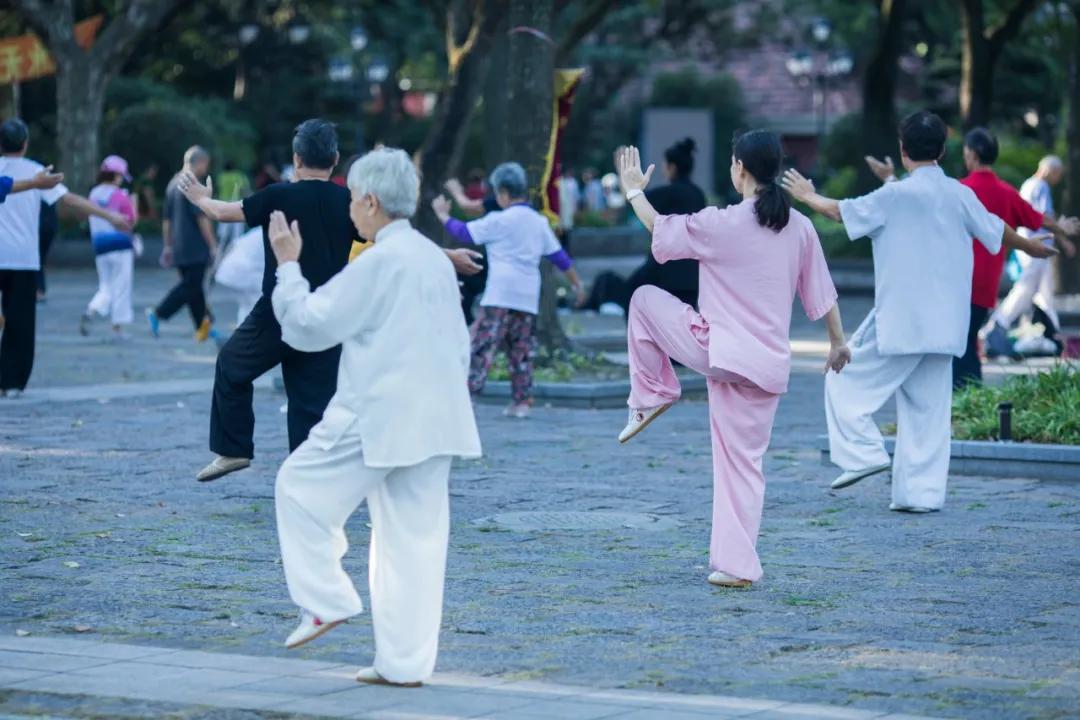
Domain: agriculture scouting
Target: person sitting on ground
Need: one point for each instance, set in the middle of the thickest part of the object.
(517, 238)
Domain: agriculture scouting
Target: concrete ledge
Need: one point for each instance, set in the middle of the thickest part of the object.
(602, 394)
(1001, 459)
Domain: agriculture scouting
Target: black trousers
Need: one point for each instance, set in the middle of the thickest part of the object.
(49, 224)
(19, 307)
(968, 369)
(472, 287)
(189, 291)
(255, 347)
(611, 287)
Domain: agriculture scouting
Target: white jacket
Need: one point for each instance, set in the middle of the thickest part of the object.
(402, 381)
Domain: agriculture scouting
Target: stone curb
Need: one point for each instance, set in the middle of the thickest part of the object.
(598, 395)
(1000, 459)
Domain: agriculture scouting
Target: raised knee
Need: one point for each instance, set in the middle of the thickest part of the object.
(643, 295)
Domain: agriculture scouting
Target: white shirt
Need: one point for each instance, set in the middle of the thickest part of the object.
(403, 377)
(516, 238)
(921, 228)
(20, 216)
(1037, 192)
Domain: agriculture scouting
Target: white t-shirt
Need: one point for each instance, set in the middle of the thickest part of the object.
(921, 228)
(1037, 192)
(20, 216)
(516, 238)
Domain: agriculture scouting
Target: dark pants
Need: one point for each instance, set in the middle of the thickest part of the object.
(255, 347)
(49, 224)
(189, 291)
(18, 289)
(611, 287)
(472, 287)
(968, 369)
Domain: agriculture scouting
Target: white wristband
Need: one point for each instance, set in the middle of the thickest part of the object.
(631, 194)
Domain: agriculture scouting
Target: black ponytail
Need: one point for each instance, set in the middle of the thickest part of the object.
(761, 155)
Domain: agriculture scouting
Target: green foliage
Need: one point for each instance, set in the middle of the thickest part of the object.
(157, 135)
(1046, 407)
(720, 93)
(562, 367)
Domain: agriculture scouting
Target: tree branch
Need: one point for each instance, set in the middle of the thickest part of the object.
(54, 22)
(586, 22)
(1008, 28)
(124, 32)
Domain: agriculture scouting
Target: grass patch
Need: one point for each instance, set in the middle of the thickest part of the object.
(562, 367)
(1046, 407)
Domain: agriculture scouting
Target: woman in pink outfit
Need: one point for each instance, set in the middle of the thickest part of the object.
(754, 257)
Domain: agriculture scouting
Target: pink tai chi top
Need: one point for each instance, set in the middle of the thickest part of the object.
(749, 275)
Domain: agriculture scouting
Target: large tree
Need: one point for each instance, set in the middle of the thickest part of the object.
(82, 76)
(982, 47)
(879, 86)
(1069, 269)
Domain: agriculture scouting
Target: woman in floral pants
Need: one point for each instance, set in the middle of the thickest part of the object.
(516, 237)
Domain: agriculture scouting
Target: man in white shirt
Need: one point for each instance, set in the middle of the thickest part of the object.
(1035, 286)
(921, 228)
(20, 255)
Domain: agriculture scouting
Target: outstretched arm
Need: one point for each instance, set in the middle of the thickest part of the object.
(803, 190)
(86, 208)
(466, 203)
(1062, 229)
(44, 180)
(202, 197)
(634, 182)
(1034, 248)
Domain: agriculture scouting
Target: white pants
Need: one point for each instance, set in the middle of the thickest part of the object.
(923, 388)
(320, 485)
(113, 297)
(1034, 286)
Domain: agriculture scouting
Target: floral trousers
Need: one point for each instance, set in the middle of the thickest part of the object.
(496, 328)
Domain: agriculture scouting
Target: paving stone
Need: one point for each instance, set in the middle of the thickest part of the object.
(47, 661)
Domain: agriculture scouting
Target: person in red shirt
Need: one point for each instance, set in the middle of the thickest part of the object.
(1003, 200)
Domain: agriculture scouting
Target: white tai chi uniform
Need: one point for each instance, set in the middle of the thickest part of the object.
(241, 270)
(921, 228)
(1036, 282)
(401, 412)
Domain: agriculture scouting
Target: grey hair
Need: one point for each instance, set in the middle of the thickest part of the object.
(510, 178)
(195, 154)
(390, 175)
(1051, 162)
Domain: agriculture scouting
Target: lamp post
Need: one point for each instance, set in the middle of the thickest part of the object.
(819, 67)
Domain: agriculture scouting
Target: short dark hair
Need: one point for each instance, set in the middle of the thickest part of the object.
(316, 142)
(923, 136)
(681, 156)
(13, 135)
(983, 143)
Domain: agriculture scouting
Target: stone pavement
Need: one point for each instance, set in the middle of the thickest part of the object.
(189, 682)
(573, 560)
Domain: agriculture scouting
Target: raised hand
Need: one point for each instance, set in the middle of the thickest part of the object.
(797, 186)
(628, 166)
(882, 169)
(441, 206)
(285, 240)
(194, 190)
(1069, 225)
(46, 179)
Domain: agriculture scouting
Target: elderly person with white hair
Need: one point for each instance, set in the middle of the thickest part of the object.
(401, 412)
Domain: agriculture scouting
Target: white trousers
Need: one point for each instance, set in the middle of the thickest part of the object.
(923, 388)
(1034, 286)
(319, 486)
(115, 276)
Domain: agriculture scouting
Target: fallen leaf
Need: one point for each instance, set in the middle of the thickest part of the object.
(120, 515)
(83, 628)
(24, 535)
(71, 564)
(103, 535)
(22, 633)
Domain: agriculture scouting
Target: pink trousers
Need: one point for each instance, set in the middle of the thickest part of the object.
(662, 328)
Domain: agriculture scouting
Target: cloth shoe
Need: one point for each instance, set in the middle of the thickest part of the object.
(722, 579)
(518, 410)
(640, 419)
(370, 676)
(310, 627)
(911, 508)
(850, 477)
(998, 343)
(154, 322)
(220, 467)
(204, 330)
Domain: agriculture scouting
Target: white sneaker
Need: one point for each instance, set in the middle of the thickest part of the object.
(310, 627)
(850, 477)
(518, 410)
(11, 394)
(911, 508)
(370, 676)
(221, 466)
(721, 578)
(640, 419)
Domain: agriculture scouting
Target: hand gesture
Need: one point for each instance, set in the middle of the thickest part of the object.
(453, 186)
(1042, 250)
(628, 166)
(1069, 225)
(166, 259)
(797, 186)
(46, 179)
(194, 190)
(579, 295)
(465, 261)
(441, 206)
(285, 240)
(839, 356)
(882, 169)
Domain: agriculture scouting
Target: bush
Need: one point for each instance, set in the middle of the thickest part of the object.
(157, 135)
(1046, 407)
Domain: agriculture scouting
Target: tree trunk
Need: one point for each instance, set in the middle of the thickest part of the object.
(531, 84)
(879, 90)
(496, 101)
(976, 68)
(80, 104)
(1069, 268)
(442, 147)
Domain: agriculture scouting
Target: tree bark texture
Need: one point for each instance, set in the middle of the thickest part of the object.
(981, 50)
(1069, 268)
(879, 89)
